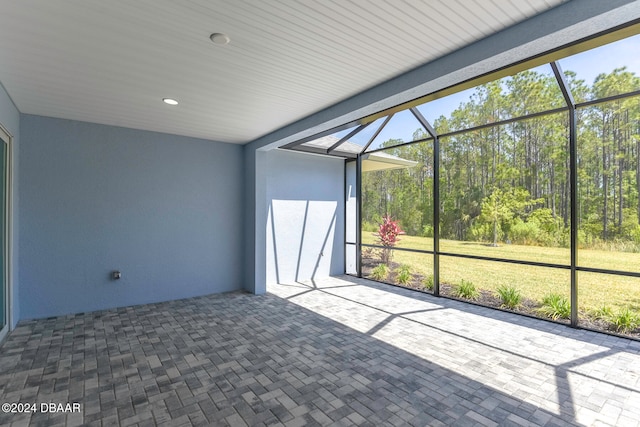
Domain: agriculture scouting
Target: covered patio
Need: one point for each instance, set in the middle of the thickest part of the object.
(181, 198)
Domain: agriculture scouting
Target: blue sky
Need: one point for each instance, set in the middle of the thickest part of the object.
(587, 65)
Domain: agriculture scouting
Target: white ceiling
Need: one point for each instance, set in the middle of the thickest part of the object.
(112, 61)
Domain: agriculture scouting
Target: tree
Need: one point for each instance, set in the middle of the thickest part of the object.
(491, 178)
(495, 208)
(501, 206)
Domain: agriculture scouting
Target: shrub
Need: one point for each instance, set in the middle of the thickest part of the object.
(525, 233)
(603, 313)
(634, 233)
(509, 296)
(427, 231)
(367, 252)
(369, 226)
(404, 274)
(481, 231)
(625, 320)
(387, 236)
(556, 307)
(427, 282)
(380, 272)
(620, 245)
(562, 237)
(466, 290)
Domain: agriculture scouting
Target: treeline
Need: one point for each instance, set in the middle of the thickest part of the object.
(511, 182)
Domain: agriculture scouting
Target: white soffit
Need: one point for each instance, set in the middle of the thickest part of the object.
(384, 161)
(112, 62)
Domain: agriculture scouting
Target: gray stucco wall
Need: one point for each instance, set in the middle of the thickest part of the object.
(248, 218)
(305, 216)
(10, 119)
(164, 210)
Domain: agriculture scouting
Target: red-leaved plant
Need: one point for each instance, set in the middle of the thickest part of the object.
(387, 235)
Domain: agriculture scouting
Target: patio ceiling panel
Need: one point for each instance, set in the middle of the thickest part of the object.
(113, 62)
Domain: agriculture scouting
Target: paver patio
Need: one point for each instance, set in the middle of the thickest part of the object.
(336, 351)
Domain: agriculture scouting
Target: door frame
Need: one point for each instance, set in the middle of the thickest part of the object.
(6, 136)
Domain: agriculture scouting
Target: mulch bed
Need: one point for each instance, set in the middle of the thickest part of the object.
(486, 298)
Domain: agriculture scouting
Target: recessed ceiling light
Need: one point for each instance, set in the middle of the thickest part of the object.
(220, 38)
(169, 101)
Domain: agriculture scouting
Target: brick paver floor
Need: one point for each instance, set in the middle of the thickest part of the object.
(337, 351)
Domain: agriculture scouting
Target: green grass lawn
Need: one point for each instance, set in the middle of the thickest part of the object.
(594, 290)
